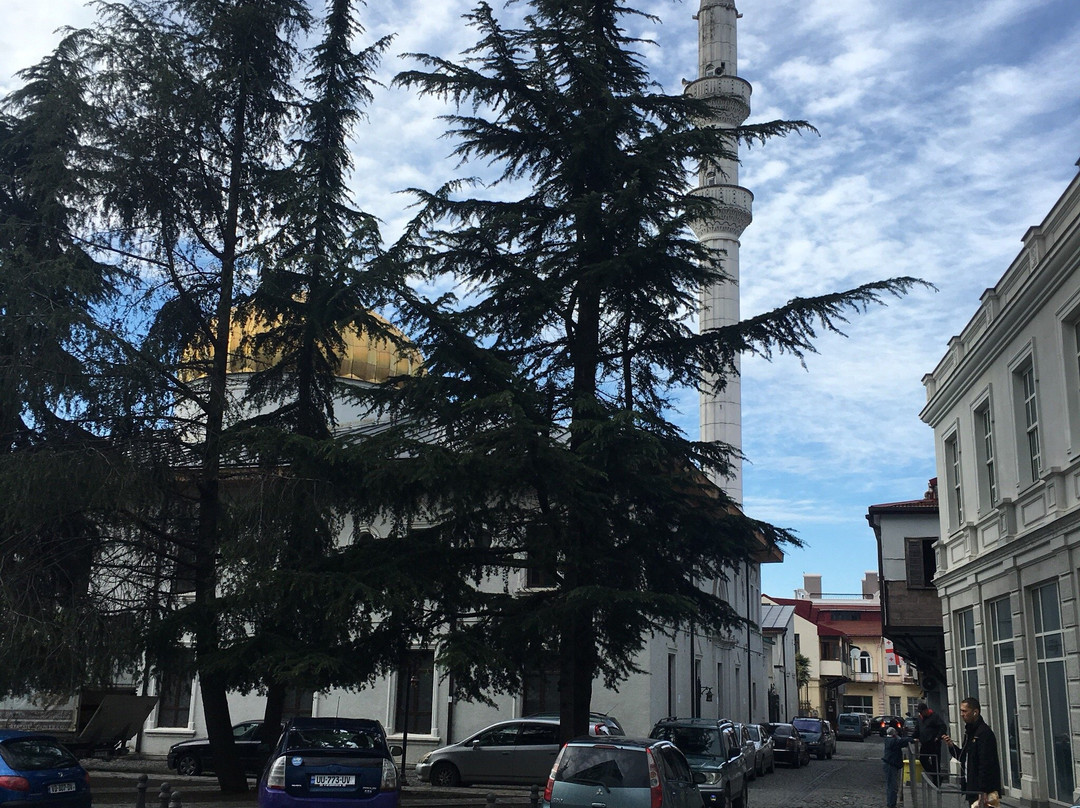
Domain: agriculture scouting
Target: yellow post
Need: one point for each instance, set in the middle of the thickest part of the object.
(907, 771)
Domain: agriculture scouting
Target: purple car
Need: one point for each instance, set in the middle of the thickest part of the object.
(331, 763)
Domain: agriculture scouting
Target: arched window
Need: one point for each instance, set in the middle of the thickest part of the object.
(865, 663)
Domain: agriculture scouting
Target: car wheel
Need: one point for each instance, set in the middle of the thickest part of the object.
(188, 765)
(445, 775)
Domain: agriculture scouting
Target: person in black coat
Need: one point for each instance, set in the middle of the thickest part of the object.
(980, 768)
(931, 729)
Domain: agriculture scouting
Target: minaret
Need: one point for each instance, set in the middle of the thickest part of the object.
(718, 82)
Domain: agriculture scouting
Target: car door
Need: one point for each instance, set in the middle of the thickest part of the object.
(536, 748)
(489, 757)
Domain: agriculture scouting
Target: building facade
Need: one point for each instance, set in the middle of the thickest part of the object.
(907, 533)
(1004, 404)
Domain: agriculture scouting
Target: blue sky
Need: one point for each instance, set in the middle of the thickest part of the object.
(946, 130)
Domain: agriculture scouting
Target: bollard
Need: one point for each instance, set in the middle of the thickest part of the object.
(490, 799)
(163, 795)
(140, 792)
(534, 796)
(174, 800)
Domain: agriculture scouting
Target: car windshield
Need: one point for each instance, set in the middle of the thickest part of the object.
(603, 766)
(332, 738)
(693, 741)
(810, 725)
(34, 754)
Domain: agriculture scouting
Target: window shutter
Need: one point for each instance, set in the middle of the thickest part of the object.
(916, 575)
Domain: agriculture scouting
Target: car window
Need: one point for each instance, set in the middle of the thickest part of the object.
(692, 740)
(680, 770)
(604, 766)
(538, 734)
(331, 738)
(781, 731)
(755, 733)
(247, 731)
(498, 736)
(35, 754)
(807, 724)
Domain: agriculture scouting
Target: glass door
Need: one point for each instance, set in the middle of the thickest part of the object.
(1007, 718)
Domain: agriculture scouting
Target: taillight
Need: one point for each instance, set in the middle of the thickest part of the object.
(86, 777)
(12, 783)
(276, 777)
(389, 780)
(551, 777)
(656, 793)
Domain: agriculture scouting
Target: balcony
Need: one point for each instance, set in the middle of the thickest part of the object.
(729, 96)
(869, 676)
(732, 211)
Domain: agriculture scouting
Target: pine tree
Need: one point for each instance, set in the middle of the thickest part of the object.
(549, 448)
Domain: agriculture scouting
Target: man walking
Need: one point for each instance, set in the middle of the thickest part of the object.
(930, 731)
(893, 761)
(980, 769)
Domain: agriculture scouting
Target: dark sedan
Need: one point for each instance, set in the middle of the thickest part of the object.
(253, 747)
(789, 746)
(880, 723)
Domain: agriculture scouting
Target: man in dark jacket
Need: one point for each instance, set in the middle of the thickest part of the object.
(930, 731)
(980, 770)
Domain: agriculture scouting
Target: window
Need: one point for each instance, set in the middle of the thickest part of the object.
(415, 685)
(969, 670)
(1028, 423)
(672, 693)
(984, 450)
(174, 690)
(921, 563)
(866, 663)
(830, 650)
(1053, 688)
(952, 478)
(540, 693)
(297, 703)
(540, 564)
(847, 615)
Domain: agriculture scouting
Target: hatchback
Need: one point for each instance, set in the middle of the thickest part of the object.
(39, 770)
(789, 746)
(620, 772)
(331, 763)
(713, 748)
(517, 751)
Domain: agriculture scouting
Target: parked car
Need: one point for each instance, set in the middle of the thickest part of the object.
(789, 746)
(252, 745)
(880, 723)
(625, 772)
(38, 770)
(749, 750)
(849, 727)
(819, 735)
(764, 759)
(910, 726)
(714, 749)
(518, 751)
(331, 763)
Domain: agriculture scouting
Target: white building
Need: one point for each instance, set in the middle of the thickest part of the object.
(1004, 403)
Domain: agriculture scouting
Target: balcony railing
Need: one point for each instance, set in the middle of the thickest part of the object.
(866, 676)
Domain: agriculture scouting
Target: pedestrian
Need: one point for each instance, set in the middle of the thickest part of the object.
(931, 729)
(980, 769)
(893, 761)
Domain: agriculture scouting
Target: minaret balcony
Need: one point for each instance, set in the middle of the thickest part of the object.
(732, 211)
(729, 95)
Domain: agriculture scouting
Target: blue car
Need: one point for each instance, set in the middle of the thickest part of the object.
(36, 770)
(331, 763)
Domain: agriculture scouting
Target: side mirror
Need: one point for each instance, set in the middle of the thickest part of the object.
(396, 751)
(699, 778)
(475, 744)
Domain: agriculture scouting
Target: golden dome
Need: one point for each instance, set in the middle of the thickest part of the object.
(367, 358)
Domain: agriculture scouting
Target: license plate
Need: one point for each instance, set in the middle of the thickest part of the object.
(60, 788)
(333, 780)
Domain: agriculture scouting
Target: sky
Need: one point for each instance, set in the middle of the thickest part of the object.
(946, 129)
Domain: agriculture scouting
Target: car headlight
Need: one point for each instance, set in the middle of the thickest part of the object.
(426, 758)
(712, 778)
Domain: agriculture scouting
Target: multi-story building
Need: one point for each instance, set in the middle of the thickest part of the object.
(853, 667)
(906, 534)
(1004, 404)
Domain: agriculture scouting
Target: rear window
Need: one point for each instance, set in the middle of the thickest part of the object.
(849, 721)
(603, 766)
(334, 738)
(34, 754)
(782, 730)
